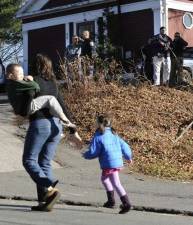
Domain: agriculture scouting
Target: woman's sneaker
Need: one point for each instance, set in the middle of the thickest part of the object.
(51, 201)
(51, 198)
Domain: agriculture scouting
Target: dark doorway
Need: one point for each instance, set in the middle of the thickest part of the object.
(48, 40)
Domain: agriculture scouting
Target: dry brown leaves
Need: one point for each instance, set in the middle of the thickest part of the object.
(147, 117)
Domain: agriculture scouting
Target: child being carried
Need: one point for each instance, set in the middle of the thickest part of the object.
(17, 84)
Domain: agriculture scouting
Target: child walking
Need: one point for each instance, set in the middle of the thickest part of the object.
(109, 148)
(18, 84)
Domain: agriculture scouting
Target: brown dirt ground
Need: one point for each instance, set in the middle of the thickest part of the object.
(149, 118)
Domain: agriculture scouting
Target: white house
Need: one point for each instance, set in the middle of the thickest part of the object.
(48, 25)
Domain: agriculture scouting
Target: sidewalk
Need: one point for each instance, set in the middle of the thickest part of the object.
(80, 185)
(11, 146)
(80, 180)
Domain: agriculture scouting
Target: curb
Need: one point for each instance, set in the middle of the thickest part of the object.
(134, 207)
(163, 210)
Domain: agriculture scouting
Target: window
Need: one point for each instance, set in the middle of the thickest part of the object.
(188, 20)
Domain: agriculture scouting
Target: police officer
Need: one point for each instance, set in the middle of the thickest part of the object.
(73, 51)
(161, 55)
(147, 57)
(73, 66)
(179, 44)
(87, 45)
(88, 49)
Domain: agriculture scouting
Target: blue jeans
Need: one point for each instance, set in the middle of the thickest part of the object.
(41, 142)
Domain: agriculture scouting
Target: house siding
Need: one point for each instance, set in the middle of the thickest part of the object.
(50, 41)
(77, 10)
(134, 29)
(65, 13)
(57, 3)
(175, 24)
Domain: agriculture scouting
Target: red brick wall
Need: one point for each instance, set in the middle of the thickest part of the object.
(175, 22)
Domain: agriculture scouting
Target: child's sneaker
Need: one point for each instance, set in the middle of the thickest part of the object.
(70, 127)
(68, 124)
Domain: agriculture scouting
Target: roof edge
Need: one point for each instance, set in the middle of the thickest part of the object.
(29, 4)
(21, 15)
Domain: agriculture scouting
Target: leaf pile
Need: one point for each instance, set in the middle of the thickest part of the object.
(149, 118)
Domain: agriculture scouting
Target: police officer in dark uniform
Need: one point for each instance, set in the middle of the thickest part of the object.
(178, 44)
(87, 45)
(88, 49)
(73, 51)
(148, 62)
(161, 56)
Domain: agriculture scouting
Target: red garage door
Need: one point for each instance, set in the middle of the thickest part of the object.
(49, 40)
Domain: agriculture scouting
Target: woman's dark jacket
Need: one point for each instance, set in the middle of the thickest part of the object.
(49, 87)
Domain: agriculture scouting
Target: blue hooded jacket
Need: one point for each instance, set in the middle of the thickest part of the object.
(109, 148)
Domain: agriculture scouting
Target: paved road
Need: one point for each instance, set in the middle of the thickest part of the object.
(18, 213)
(80, 184)
(11, 147)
